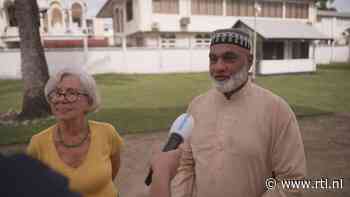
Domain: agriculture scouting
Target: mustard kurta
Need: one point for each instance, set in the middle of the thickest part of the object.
(93, 178)
(237, 144)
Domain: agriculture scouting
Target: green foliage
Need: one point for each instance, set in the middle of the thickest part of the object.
(323, 4)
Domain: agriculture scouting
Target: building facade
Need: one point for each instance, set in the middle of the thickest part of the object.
(178, 23)
(335, 25)
(64, 23)
(284, 29)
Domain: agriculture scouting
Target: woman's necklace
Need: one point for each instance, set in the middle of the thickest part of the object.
(61, 141)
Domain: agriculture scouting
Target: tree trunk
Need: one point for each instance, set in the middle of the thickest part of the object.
(33, 67)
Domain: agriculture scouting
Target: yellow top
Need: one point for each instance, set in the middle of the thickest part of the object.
(93, 178)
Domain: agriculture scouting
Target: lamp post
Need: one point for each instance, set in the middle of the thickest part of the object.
(257, 10)
(85, 34)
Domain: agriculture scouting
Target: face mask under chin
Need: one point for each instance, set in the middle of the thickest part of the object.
(234, 82)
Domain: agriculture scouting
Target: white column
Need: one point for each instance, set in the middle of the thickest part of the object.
(49, 15)
(125, 62)
(41, 29)
(257, 10)
(84, 17)
(64, 25)
(286, 50)
(224, 7)
(334, 21)
(41, 15)
(190, 50)
(70, 19)
(160, 52)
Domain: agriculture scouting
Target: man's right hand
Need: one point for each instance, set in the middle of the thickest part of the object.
(165, 164)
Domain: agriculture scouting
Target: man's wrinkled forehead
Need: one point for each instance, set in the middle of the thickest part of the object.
(231, 36)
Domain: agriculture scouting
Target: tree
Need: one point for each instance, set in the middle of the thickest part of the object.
(323, 4)
(33, 66)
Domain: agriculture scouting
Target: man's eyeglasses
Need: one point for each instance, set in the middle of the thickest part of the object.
(70, 95)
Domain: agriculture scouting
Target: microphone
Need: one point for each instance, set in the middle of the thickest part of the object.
(179, 131)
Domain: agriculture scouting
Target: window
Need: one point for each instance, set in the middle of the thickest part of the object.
(273, 50)
(77, 13)
(297, 10)
(166, 6)
(206, 7)
(300, 50)
(107, 27)
(90, 26)
(202, 40)
(129, 11)
(240, 7)
(11, 15)
(168, 40)
(271, 9)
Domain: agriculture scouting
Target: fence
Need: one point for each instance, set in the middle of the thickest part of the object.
(326, 54)
(149, 60)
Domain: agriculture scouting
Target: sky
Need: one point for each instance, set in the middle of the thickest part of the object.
(96, 5)
(342, 5)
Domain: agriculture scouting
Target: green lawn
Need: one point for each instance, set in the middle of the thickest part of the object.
(139, 103)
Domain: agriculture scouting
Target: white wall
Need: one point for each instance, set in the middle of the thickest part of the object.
(2, 26)
(333, 27)
(133, 25)
(115, 60)
(99, 25)
(3, 23)
(142, 60)
(327, 54)
(11, 64)
(199, 23)
(145, 15)
(287, 66)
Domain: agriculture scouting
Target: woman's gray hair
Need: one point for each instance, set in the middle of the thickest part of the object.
(87, 83)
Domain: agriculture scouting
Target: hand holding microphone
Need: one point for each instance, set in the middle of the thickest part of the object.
(180, 130)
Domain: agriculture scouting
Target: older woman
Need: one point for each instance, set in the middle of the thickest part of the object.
(87, 152)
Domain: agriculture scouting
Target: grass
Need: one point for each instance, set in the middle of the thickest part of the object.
(146, 103)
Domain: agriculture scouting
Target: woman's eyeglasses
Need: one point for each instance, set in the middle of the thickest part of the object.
(69, 95)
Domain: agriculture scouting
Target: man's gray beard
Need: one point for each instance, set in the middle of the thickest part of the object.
(234, 82)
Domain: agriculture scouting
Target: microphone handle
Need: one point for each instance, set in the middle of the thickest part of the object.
(174, 141)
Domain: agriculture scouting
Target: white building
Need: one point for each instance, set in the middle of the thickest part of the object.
(335, 25)
(188, 23)
(64, 23)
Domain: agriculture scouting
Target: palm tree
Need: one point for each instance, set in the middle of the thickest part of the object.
(34, 66)
(322, 4)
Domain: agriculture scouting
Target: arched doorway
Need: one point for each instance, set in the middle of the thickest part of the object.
(56, 18)
(77, 14)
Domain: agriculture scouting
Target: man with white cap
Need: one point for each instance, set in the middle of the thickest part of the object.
(244, 134)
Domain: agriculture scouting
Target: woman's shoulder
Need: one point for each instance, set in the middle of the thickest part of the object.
(101, 126)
